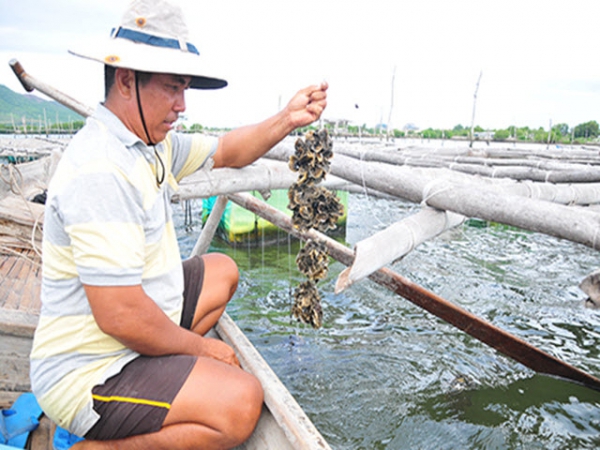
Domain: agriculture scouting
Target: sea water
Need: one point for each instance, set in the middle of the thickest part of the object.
(384, 374)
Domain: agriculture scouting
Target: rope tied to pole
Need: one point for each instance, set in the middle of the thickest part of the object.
(429, 193)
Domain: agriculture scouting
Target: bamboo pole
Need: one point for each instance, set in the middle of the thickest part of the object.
(389, 122)
(535, 170)
(474, 106)
(30, 83)
(396, 241)
(206, 183)
(504, 342)
(263, 175)
(210, 227)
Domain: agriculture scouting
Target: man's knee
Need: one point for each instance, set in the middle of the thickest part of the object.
(221, 397)
(248, 411)
(220, 267)
(231, 271)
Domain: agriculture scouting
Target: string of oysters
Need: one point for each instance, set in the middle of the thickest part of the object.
(315, 207)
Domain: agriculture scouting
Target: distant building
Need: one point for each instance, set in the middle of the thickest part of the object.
(410, 128)
(484, 135)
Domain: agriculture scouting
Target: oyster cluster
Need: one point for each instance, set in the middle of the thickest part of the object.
(312, 157)
(312, 260)
(307, 304)
(312, 207)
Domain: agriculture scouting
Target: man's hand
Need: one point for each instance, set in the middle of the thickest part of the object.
(307, 105)
(245, 145)
(216, 349)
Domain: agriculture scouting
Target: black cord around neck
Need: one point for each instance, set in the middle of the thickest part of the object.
(156, 155)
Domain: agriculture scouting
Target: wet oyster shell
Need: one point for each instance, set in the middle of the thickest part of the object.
(307, 304)
(313, 260)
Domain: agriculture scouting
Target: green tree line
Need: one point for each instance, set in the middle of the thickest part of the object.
(559, 133)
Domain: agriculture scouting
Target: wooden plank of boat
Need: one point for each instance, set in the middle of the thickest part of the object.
(282, 414)
(20, 281)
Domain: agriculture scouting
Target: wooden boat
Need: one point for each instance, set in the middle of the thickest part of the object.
(283, 424)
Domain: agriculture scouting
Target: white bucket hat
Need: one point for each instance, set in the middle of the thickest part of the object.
(153, 37)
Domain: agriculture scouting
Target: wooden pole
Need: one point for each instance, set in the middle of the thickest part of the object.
(209, 229)
(504, 342)
(389, 122)
(30, 83)
(394, 242)
(474, 106)
(585, 170)
(45, 123)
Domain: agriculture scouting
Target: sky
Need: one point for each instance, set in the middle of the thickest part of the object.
(386, 61)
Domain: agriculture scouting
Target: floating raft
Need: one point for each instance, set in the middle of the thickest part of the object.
(238, 225)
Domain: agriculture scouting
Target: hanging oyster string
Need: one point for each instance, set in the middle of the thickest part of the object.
(315, 207)
(312, 260)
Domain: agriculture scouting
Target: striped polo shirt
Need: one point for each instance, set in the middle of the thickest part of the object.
(107, 223)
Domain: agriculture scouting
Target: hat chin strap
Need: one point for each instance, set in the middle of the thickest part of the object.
(156, 155)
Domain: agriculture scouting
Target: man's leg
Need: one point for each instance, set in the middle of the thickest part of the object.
(219, 405)
(217, 408)
(221, 277)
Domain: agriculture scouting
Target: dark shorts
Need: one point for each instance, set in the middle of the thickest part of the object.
(137, 400)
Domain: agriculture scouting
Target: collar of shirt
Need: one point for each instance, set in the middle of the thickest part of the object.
(117, 128)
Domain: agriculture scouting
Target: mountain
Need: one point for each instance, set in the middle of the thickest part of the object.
(32, 108)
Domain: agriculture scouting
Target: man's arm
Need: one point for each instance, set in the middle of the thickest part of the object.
(245, 145)
(127, 314)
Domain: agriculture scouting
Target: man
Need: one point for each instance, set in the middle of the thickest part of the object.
(119, 355)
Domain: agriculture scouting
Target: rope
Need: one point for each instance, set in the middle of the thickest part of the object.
(187, 220)
(429, 186)
(574, 195)
(534, 189)
(14, 182)
(10, 179)
(289, 261)
(10, 251)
